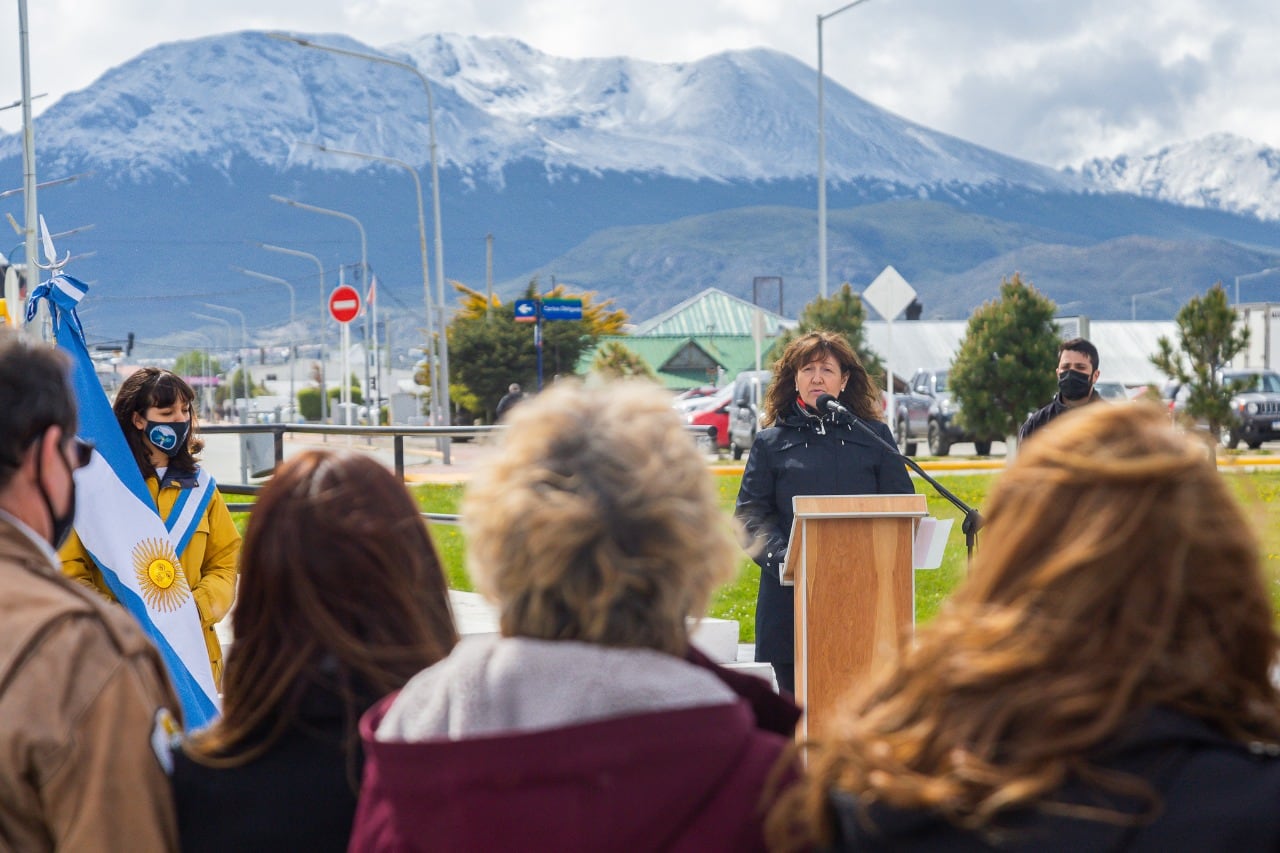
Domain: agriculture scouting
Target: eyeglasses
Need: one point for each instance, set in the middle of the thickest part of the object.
(83, 451)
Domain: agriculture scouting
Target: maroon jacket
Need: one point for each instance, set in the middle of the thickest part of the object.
(692, 779)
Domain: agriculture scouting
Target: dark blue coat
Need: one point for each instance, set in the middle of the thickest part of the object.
(804, 455)
(1215, 794)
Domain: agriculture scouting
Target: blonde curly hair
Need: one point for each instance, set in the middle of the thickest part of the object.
(596, 520)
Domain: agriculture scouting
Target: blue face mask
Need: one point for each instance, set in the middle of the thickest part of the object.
(169, 437)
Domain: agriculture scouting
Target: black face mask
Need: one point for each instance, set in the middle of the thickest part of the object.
(1073, 385)
(62, 524)
(168, 436)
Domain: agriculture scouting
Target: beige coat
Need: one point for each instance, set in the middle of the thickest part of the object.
(85, 705)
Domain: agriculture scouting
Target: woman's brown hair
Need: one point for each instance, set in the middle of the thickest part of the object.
(1117, 574)
(860, 394)
(149, 387)
(340, 587)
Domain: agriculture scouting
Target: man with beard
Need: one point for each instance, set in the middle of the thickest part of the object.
(1077, 373)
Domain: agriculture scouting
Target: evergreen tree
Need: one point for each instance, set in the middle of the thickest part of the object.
(1004, 369)
(488, 349)
(196, 363)
(842, 313)
(1207, 341)
(614, 361)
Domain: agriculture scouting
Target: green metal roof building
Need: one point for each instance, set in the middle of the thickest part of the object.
(705, 340)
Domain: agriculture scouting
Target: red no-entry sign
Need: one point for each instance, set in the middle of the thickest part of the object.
(344, 303)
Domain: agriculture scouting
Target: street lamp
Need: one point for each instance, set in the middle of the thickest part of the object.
(364, 256)
(324, 313)
(1250, 275)
(293, 342)
(437, 393)
(435, 183)
(225, 322)
(822, 157)
(244, 360)
(1133, 300)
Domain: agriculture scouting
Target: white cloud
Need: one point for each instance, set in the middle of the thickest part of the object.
(1054, 81)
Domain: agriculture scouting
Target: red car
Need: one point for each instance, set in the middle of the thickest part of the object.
(714, 413)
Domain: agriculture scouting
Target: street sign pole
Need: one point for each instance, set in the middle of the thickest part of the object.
(537, 341)
(344, 306)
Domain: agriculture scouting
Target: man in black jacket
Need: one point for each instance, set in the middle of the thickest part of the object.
(1077, 373)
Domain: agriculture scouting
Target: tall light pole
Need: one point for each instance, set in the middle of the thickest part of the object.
(324, 313)
(28, 171)
(435, 183)
(822, 156)
(293, 341)
(244, 359)
(1133, 300)
(437, 392)
(364, 261)
(1250, 275)
(227, 323)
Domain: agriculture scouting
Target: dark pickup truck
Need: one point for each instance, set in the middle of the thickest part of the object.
(927, 413)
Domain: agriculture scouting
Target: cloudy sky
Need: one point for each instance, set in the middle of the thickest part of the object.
(1055, 81)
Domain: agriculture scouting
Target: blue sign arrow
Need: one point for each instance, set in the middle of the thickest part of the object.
(526, 311)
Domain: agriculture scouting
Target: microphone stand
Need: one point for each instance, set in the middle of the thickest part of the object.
(972, 520)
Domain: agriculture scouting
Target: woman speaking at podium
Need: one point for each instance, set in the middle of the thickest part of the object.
(805, 451)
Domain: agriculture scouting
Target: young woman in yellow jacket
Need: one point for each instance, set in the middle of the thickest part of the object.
(154, 410)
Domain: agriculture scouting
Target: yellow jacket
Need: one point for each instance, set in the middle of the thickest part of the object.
(209, 560)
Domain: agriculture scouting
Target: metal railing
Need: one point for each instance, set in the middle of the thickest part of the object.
(398, 435)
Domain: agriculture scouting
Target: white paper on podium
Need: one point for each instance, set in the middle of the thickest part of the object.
(931, 541)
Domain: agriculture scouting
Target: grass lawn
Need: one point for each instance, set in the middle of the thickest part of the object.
(1259, 492)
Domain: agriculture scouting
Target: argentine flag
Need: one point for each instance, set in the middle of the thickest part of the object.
(118, 523)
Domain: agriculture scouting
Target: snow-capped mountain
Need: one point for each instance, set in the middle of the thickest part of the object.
(643, 182)
(1218, 172)
(736, 116)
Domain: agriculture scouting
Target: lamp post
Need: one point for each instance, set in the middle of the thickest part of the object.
(435, 185)
(324, 312)
(244, 360)
(28, 168)
(437, 393)
(224, 322)
(364, 258)
(1250, 275)
(207, 342)
(1133, 300)
(822, 156)
(293, 342)
(227, 323)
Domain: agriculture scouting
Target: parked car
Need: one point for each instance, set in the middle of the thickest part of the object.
(927, 412)
(714, 412)
(1255, 407)
(1112, 392)
(693, 398)
(745, 408)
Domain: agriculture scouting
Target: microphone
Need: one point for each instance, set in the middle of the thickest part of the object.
(831, 404)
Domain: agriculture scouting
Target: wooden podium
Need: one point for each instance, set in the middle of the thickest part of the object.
(850, 560)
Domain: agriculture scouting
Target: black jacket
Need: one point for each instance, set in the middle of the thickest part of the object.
(1040, 417)
(1216, 794)
(804, 455)
(299, 795)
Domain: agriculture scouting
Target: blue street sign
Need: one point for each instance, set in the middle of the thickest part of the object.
(562, 309)
(526, 311)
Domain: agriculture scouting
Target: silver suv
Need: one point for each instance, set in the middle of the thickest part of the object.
(1255, 408)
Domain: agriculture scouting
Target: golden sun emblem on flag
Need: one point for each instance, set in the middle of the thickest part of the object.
(160, 577)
